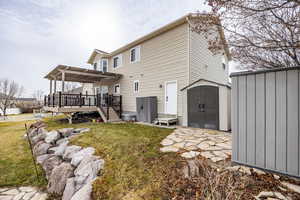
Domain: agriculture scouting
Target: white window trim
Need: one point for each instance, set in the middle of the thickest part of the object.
(119, 89)
(121, 61)
(101, 66)
(136, 81)
(137, 49)
(165, 102)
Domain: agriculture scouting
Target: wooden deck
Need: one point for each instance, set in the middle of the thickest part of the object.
(70, 109)
(109, 106)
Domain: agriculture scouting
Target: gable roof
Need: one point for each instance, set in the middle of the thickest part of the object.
(149, 36)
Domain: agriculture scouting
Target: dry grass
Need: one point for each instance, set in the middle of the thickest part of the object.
(16, 166)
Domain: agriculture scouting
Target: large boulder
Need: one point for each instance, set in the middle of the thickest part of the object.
(40, 159)
(41, 148)
(59, 150)
(42, 131)
(52, 150)
(50, 163)
(69, 189)
(66, 132)
(32, 132)
(38, 125)
(52, 136)
(58, 178)
(70, 151)
(87, 170)
(39, 137)
(77, 157)
(84, 192)
(63, 140)
(81, 130)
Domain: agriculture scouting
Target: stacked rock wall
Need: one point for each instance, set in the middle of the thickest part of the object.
(69, 169)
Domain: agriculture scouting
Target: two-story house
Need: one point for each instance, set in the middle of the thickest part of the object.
(173, 64)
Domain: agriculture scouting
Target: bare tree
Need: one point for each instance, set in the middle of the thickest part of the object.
(38, 95)
(9, 90)
(260, 33)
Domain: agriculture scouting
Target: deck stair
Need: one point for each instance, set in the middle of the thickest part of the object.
(112, 115)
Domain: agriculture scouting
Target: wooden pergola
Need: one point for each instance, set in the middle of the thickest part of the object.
(76, 74)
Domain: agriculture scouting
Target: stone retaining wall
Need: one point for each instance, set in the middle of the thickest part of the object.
(69, 169)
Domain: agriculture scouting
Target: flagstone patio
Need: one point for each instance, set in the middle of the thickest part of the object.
(191, 142)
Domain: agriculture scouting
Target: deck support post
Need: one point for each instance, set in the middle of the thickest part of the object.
(63, 81)
(51, 86)
(69, 116)
(80, 99)
(55, 85)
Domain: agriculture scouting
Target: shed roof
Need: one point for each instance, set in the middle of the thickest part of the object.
(260, 71)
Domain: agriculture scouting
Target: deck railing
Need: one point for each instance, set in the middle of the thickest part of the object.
(104, 101)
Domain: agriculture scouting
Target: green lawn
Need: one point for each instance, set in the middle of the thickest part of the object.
(134, 167)
(16, 166)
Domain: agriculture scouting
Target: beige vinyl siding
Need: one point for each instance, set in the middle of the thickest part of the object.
(203, 63)
(162, 58)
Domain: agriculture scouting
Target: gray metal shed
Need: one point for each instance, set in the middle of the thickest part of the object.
(265, 119)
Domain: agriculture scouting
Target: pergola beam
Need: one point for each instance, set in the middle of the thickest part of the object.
(85, 74)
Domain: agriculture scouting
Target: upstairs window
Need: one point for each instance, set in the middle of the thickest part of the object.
(104, 65)
(136, 86)
(135, 54)
(117, 61)
(132, 55)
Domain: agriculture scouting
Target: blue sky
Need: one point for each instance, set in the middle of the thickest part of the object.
(37, 35)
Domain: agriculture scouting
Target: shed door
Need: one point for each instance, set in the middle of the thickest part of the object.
(203, 107)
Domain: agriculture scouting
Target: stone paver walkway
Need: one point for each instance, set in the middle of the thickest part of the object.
(22, 193)
(211, 144)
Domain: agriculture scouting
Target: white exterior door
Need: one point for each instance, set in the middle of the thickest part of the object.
(171, 97)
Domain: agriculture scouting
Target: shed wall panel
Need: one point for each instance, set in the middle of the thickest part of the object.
(270, 120)
(281, 121)
(260, 120)
(292, 122)
(234, 107)
(251, 119)
(242, 154)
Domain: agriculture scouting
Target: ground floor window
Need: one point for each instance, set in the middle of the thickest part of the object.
(136, 86)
